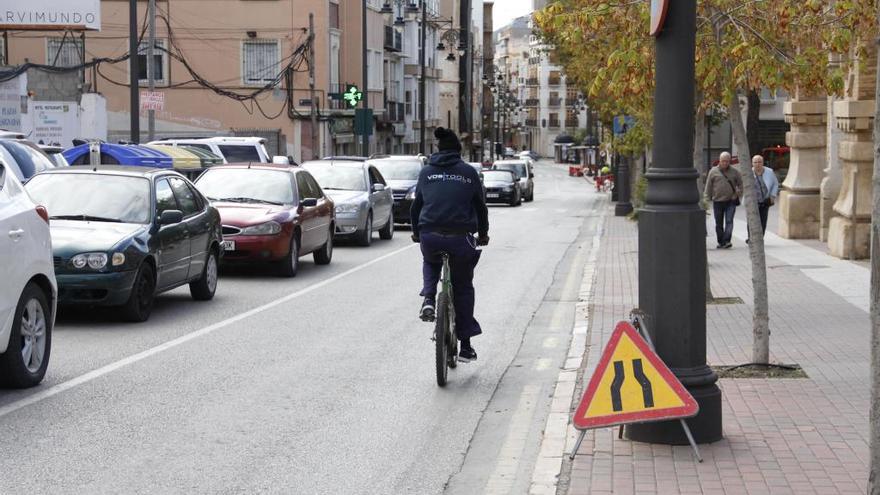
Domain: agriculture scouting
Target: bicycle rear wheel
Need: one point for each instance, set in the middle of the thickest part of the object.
(441, 338)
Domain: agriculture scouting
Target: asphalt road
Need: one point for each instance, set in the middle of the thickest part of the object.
(319, 384)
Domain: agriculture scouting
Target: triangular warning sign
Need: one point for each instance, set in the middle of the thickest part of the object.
(631, 385)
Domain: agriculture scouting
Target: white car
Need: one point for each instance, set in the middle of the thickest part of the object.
(28, 294)
(231, 149)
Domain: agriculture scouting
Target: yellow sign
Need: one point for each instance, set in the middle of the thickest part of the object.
(632, 385)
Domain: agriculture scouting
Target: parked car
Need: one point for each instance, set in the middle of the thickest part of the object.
(54, 152)
(271, 213)
(503, 186)
(231, 149)
(362, 197)
(346, 158)
(401, 172)
(523, 171)
(24, 158)
(28, 294)
(121, 235)
(509, 152)
(529, 153)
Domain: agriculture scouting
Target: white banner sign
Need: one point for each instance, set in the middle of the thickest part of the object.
(49, 14)
(13, 103)
(51, 122)
(152, 100)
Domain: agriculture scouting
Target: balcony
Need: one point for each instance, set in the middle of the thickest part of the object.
(393, 39)
(553, 123)
(554, 81)
(554, 102)
(571, 123)
(531, 122)
(334, 98)
(531, 102)
(532, 81)
(393, 112)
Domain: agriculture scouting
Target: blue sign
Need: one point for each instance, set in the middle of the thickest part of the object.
(623, 123)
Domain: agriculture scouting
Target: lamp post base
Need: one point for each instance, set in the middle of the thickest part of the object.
(705, 426)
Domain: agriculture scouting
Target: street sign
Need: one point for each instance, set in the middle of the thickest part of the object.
(51, 15)
(623, 123)
(658, 15)
(152, 100)
(363, 121)
(353, 96)
(632, 385)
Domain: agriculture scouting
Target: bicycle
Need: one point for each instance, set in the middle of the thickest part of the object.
(445, 340)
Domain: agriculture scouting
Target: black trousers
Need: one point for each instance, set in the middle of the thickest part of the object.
(763, 210)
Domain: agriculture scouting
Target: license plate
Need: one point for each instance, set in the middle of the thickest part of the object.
(229, 245)
(493, 195)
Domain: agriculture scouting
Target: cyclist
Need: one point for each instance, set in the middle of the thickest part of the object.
(448, 209)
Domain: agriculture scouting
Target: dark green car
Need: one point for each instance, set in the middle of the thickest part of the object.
(121, 235)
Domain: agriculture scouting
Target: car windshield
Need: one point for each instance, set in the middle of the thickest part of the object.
(518, 168)
(238, 153)
(247, 185)
(399, 169)
(497, 176)
(337, 177)
(93, 196)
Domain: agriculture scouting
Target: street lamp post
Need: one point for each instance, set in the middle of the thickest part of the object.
(672, 237)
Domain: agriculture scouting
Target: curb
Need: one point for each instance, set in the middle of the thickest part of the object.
(559, 434)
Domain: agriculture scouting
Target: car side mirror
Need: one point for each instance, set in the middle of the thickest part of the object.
(378, 187)
(170, 217)
(309, 202)
(531, 175)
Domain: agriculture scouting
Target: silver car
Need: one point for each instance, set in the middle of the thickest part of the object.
(362, 197)
(523, 170)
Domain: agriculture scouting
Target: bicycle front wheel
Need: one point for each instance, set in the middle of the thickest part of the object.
(441, 338)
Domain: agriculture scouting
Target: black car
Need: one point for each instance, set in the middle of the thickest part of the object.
(121, 235)
(402, 174)
(502, 186)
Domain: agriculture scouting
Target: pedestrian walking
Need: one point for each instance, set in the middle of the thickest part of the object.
(767, 190)
(724, 188)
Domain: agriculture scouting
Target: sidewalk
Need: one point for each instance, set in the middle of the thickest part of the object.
(782, 436)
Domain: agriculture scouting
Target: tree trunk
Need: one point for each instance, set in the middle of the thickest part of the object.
(699, 164)
(874, 470)
(753, 120)
(760, 315)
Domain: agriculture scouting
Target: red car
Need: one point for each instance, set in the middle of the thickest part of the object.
(271, 214)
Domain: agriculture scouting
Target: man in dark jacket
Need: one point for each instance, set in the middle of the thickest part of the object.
(448, 209)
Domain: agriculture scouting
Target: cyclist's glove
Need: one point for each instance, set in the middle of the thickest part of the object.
(483, 240)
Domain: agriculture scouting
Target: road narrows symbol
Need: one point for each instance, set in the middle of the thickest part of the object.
(647, 392)
(616, 403)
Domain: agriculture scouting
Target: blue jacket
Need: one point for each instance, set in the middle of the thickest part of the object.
(449, 197)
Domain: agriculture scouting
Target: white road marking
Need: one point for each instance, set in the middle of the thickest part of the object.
(543, 364)
(504, 475)
(122, 363)
(551, 342)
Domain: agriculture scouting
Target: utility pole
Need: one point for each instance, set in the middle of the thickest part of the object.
(134, 97)
(874, 444)
(151, 68)
(422, 35)
(365, 143)
(465, 74)
(313, 105)
(672, 236)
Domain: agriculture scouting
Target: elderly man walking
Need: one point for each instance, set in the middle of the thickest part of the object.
(767, 189)
(724, 187)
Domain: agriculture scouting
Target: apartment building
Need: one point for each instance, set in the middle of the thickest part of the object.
(240, 67)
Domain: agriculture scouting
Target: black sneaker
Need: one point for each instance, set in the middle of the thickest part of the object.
(467, 353)
(427, 311)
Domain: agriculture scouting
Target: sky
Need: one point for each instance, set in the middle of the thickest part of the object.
(505, 11)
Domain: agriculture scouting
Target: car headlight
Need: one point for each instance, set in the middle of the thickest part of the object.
(347, 208)
(411, 195)
(117, 259)
(95, 261)
(508, 188)
(268, 228)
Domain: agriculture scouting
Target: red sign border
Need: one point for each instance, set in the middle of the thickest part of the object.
(689, 409)
(658, 22)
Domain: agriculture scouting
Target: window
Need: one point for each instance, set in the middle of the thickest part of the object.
(259, 59)
(314, 189)
(164, 197)
(234, 153)
(302, 187)
(64, 51)
(334, 15)
(2, 55)
(189, 205)
(374, 70)
(408, 100)
(160, 60)
(376, 177)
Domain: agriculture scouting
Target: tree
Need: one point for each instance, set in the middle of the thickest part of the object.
(874, 472)
(743, 46)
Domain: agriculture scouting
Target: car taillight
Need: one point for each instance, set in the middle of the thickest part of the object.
(44, 214)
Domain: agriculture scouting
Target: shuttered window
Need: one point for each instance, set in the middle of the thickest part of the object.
(260, 61)
(64, 51)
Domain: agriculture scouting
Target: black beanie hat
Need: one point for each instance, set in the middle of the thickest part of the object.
(447, 140)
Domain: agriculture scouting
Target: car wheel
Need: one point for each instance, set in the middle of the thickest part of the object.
(365, 238)
(290, 264)
(324, 255)
(25, 361)
(203, 289)
(519, 200)
(387, 232)
(140, 301)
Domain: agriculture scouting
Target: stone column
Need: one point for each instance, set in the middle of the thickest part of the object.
(799, 198)
(830, 186)
(849, 233)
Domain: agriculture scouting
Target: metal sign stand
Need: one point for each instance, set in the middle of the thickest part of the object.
(636, 317)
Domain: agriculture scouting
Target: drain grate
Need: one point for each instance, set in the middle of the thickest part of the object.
(725, 300)
(799, 267)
